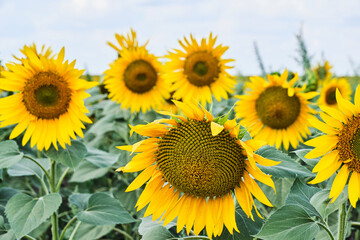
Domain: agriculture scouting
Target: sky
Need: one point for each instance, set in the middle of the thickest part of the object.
(331, 29)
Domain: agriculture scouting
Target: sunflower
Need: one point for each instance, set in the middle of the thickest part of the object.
(136, 80)
(47, 103)
(44, 51)
(199, 71)
(192, 166)
(128, 41)
(275, 111)
(339, 147)
(327, 93)
(322, 72)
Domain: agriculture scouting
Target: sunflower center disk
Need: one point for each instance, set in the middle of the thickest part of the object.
(199, 164)
(321, 71)
(349, 143)
(140, 76)
(201, 68)
(276, 109)
(46, 95)
(330, 96)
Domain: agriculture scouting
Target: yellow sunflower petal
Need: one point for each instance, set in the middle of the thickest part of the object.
(216, 128)
(339, 182)
(354, 188)
(326, 173)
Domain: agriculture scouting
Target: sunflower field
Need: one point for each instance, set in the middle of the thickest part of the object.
(175, 147)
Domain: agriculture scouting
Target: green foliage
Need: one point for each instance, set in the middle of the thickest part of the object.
(9, 153)
(71, 156)
(104, 210)
(290, 222)
(25, 213)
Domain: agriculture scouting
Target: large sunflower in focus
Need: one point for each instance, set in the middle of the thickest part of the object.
(48, 101)
(327, 93)
(192, 166)
(198, 71)
(275, 110)
(136, 80)
(322, 72)
(339, 147)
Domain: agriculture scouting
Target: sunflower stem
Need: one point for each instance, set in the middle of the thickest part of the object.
(54, 217)
(61, 179)
(42, 168)
(342, 222)
(326, 227)
(67, 226)
(75, 230)
(123, 233)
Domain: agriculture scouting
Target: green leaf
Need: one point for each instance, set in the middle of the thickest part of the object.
(26, 167)
(288, 168)
(26, 213)
(147, 224)
(282, 186)
(100, 158)
(158, 232)
(9, 153)
(246, 226)
(91, 232)
(290, 222)
(9, 235)
(300, 194)
(80, 200)
(301, 154)
(87, 171)
(71, 156)
(104, 210)
(321, 202)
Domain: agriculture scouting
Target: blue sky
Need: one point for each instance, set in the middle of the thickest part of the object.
(331, 29)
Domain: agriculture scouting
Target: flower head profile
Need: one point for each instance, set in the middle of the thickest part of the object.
(275, 111)
(199, 71)
(328, 91)
(192, 167)
(339, 147)
(47, 103)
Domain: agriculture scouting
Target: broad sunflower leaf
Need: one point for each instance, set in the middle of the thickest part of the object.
(288, 168)
(301, 154)
(102, 209)
(87, 171)
(26, 213)
(91, 232)
(158, 232)
(300, 194)
(71, 156)
(100, 158)
(321, 202)
(289, 222)
(26, 167)
(80, 200)
(282, 186)
(9, 153)
(9, 235)
(246, 226)
(5, 195)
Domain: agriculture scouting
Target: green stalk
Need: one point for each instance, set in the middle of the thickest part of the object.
(342, 222)
(75, 230)
(123, 233)
(62, 179)
(324, 226)
(54, 217)
(42, 168)
(67, 226)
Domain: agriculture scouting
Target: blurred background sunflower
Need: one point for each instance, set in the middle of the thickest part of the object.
(327, 91)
